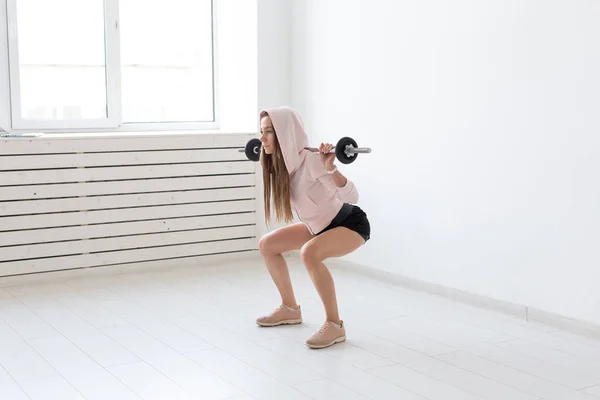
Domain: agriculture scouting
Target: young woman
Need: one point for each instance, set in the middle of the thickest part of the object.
(322, 198)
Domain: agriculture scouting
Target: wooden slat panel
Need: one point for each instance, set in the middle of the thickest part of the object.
(121, 173)
(122, 187)
(131, 214)
(48, 161)
(124, 228)
(25, 207)
(77, 202)
(123, 243)
(125, 256)
(48, 145)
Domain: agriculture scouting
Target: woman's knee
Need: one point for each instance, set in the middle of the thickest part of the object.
(269, 245)
(265, 246)
(309, 254)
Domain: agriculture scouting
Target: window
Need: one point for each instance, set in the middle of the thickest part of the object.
(111, 64)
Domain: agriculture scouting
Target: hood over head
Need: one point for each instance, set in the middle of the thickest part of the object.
(291, 136)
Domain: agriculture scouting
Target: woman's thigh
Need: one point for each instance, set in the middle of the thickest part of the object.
(287, 238)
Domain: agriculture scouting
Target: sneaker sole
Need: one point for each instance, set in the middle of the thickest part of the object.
(322, 346)
(285, 322)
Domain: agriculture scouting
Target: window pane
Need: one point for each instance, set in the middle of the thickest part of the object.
(61, 59)
(166, 60)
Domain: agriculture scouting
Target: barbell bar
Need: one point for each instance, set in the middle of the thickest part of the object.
(346, 150)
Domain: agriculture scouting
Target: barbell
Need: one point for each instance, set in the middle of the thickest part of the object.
(346, 150)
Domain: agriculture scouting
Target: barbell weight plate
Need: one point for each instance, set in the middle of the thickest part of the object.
(253, 149)
(340, 150)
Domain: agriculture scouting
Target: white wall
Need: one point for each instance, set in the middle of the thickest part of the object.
(274, 53)
(237, 64)
(274, 74)
(484, 119)
(4, 86)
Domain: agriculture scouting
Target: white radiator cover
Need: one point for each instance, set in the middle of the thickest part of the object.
(70, 203)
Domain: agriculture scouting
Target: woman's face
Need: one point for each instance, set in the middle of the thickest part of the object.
(267, 135)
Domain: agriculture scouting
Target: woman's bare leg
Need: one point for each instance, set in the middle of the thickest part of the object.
(334, 243)
(272, 246)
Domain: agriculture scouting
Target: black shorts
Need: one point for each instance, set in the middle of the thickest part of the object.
(353, 218)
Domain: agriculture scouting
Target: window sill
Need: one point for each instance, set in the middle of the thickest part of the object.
(117, 135)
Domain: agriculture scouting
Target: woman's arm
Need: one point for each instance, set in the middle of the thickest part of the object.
(338, 178)
(345, 188)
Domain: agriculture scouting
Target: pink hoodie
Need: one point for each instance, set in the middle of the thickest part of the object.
(315, 197)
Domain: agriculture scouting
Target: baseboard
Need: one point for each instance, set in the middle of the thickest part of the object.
(580, 327)
(461, 296)
(197, 261)
(522, 311)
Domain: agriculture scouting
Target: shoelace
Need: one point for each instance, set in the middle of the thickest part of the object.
(281, 307)
(323, 328)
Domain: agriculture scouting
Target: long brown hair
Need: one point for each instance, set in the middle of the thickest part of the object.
(276, 180)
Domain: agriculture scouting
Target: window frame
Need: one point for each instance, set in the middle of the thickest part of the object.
(113, 123)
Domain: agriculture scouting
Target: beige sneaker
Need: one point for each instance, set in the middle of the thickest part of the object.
(329, 334)
(283, 315)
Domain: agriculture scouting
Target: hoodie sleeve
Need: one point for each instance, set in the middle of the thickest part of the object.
(347, 193)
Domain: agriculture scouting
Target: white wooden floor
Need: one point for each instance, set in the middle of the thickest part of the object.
(189, 333)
